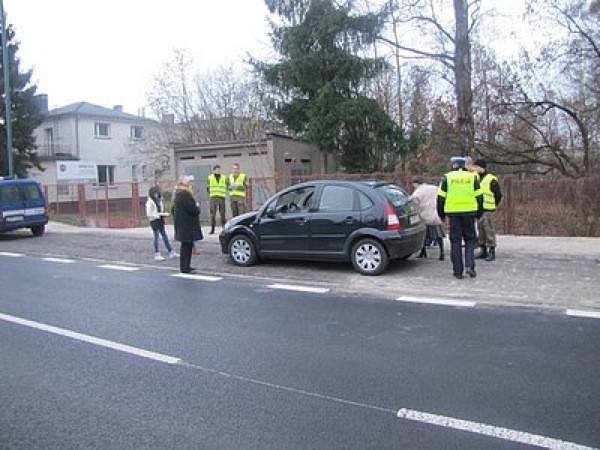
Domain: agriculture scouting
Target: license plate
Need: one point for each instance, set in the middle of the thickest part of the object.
(14, 218)
(414, 219)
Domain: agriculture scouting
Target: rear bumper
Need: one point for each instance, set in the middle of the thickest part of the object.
(405, 243)
(27, 223)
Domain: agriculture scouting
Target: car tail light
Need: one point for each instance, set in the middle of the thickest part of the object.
(393, 224)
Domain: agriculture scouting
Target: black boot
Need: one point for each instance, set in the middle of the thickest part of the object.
(491, 256)
(441, 245)
(482, 252)
(212, 230)
(423, 253)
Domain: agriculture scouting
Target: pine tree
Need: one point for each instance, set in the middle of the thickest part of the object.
(25, 114)
(322, 80)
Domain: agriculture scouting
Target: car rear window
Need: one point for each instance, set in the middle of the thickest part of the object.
(395, 194)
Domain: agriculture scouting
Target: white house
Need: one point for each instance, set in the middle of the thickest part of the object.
(109, 138)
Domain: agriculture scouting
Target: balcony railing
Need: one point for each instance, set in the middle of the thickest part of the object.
(55, 151)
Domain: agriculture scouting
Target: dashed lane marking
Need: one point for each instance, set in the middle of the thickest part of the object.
(12, 255)
(437, 301)
(404, 413)
(582, 313)
(489, 430)
(91, 339)
(59, 260)
(122, 268)
(293, 287)
(190, 276)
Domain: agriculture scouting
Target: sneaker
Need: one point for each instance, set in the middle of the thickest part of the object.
(173, 254)
(158, 257)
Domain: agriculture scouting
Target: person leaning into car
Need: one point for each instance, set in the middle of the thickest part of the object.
(460, 198)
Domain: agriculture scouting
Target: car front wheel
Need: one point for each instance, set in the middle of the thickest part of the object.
(242, 251)
(369, 257)
(38, 230)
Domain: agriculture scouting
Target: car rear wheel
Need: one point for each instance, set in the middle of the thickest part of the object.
(242, 251)
(38, 230)
(369, 257)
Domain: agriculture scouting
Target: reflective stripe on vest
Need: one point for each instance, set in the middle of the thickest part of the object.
(241, 181)
(460, 195)
(489, 200)
(217, 189)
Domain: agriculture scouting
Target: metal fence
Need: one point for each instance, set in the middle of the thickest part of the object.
(558, 207)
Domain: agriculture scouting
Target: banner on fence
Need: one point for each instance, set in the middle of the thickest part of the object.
(76, 171)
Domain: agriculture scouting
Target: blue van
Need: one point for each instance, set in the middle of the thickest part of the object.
(22, 205)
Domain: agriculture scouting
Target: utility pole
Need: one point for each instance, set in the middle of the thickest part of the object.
(7, 99)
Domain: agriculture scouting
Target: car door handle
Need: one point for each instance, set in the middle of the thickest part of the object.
(350, 219)
(300, 221)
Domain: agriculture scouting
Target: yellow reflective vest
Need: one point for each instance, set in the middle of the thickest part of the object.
(461, 195)
(489, 200)
(240, 182)
(217, 189)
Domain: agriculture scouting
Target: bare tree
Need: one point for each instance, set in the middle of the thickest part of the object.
(449, 44)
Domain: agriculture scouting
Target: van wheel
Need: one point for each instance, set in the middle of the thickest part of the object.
(369, 257)
(38, 230)
(242, 251)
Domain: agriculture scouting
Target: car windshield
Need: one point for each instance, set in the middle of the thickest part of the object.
(395, 194)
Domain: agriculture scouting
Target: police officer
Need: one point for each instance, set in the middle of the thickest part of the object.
(459, 198)
(236, 184)
(491, 199)
(216, 186)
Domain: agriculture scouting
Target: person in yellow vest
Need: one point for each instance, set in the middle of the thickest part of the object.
(216, 186)
(460, 199)
(236, 184)
(486, 227)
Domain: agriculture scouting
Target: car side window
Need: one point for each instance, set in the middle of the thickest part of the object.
(336, 198)
(364, 202)
(294, 201)
(31, 192)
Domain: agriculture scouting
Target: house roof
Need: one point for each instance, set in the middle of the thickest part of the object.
(91, 110)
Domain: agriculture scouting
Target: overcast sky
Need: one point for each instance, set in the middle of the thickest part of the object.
(107, 52)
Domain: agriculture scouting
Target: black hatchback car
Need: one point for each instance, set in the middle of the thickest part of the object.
(367, 223)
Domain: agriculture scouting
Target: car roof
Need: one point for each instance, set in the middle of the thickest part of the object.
(4, 180)
(358, 183)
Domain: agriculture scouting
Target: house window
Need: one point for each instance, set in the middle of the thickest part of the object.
(49, 140)
(137, 132)
(106, 175)
(102, 130)
(134, 172)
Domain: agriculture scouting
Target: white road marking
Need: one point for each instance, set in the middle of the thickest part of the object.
(122, 268)
(91, 339)
(12, 255)
(191, 276)
(488, 430)
(582, 313)
(293, 287)
(59, 260)
(437, 301)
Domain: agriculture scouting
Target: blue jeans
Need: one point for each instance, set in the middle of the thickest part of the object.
(462, 227)
(162, 232)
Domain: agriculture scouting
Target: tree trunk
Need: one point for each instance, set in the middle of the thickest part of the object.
(462, 74)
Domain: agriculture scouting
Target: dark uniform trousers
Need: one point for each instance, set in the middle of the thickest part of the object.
(462, 227)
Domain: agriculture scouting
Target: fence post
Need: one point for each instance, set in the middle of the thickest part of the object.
(509, 206)
(81, 203)
(249, 196)
(135, 202)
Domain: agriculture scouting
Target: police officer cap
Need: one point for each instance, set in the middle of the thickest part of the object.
(458, 160)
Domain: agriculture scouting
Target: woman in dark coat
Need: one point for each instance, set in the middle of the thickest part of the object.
(186, 212)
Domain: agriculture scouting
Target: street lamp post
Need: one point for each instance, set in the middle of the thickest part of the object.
(7, 99)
